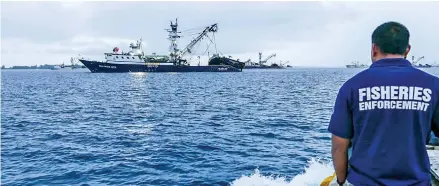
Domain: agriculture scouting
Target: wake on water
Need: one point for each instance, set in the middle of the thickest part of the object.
(313, 175)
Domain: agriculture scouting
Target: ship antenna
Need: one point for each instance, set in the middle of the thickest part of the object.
(140, 45)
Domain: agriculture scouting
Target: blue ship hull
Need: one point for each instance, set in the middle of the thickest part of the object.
(263, 67)
(103, 67)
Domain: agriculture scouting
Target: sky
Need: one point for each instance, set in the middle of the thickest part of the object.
(314, 34)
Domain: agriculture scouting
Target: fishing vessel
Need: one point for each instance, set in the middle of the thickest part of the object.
(137, 61)
(415, 63)
(356, 64)
(261, 64)
(74, 64)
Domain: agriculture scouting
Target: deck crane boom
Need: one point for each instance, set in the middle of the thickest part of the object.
(188, 48)
(414, 62)
(261, 62)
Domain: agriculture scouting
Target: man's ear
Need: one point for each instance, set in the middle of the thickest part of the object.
(407, 51)
(373, 52)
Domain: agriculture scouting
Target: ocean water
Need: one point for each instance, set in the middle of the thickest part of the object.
(258, 127)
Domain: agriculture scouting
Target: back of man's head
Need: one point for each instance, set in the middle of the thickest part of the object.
(391, 38)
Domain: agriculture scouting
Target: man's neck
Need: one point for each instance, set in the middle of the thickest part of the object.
(390, 56)
(393, 56)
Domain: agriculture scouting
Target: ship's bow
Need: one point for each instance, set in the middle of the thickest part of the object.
(93, 66)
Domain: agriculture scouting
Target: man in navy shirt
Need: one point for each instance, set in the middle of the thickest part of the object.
(387, 112)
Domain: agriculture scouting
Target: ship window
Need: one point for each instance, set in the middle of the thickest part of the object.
(133, 57)
(117, 56)
(122, 57)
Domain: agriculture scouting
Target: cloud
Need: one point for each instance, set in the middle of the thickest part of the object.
(304, 33)
(45, 21)
(22, 50)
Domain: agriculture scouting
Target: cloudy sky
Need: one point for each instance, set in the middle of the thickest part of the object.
(304, 33)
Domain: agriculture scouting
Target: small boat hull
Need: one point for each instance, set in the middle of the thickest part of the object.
(433, 154)
(332, 180)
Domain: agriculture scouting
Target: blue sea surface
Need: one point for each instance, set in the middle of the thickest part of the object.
(81, 128)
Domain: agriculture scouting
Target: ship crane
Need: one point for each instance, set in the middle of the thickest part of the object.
(248, 62)
(176, 54)
(261, 62)
(414, 62)
(188, 49)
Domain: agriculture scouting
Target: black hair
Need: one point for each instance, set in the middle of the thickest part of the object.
(391, 38)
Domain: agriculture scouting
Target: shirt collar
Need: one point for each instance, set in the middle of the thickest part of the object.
(391, 62)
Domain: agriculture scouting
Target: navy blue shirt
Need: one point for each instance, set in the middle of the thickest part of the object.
(387, 112)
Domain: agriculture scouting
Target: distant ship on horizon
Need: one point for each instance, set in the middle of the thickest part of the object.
(261, 64)
(74, 64)
(415, 63)
(356, 64)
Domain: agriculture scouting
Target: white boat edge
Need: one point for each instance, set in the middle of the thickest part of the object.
(433, 154)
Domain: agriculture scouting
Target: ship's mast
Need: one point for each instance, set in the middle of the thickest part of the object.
(176, 54)
(72, 62)
(260, 58)
(173, 36)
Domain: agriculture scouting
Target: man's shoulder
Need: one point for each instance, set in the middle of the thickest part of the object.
(367, 73)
